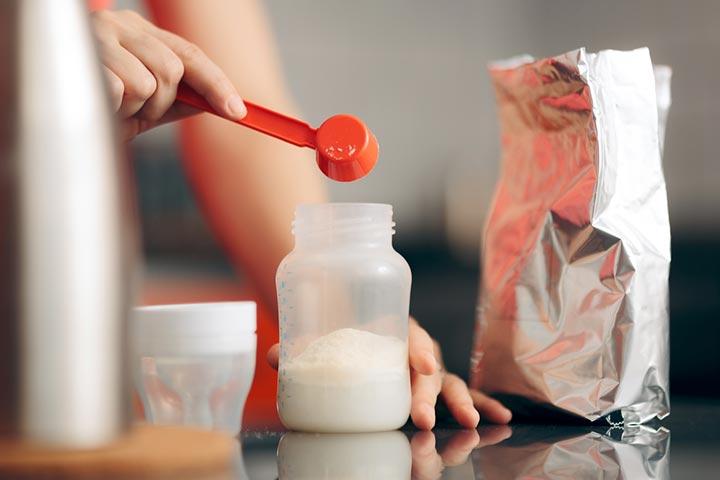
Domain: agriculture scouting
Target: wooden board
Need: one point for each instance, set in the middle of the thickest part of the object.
(148, 451)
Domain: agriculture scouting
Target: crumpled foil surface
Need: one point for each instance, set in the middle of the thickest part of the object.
(637, 453)
(573, 309)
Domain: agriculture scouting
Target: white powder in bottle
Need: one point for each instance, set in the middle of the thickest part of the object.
(346, 381)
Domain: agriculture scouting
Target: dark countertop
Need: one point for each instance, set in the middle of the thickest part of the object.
(497, 452)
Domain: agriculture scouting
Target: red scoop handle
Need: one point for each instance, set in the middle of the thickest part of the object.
(346, 149)
(259, 118)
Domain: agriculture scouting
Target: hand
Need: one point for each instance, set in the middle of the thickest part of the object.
(428, 463)
(144, 64)
(429, 379)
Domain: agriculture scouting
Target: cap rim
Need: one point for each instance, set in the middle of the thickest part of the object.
(193, 325)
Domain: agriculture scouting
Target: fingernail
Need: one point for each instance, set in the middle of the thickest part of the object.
(508, 415)
(236, 107)
(473, 415)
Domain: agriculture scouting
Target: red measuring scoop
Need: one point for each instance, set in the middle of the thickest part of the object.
(346, 148)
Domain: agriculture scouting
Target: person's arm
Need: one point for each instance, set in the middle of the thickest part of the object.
(248, 184)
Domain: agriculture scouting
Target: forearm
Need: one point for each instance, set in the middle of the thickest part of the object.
(247, 184)
(248, 190)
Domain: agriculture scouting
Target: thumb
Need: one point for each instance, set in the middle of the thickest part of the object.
(273, 356)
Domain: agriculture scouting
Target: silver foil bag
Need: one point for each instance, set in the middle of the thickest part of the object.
(573, 310)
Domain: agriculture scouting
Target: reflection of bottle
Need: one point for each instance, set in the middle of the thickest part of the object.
(343, 296)
(361, 456)
(639, 453)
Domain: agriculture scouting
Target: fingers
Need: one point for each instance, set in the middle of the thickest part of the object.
(420, 350)
(426, 463)
(273, 356)
(461, 444)
(428, 381)
(115, 87)
(492, 434)
(425, 389)
(144, 65)
(130, 128)
(138, 83)
(204, 76)
(177, 111)
(163, 64)
(490, 408)
(459, 402)
(135, 125)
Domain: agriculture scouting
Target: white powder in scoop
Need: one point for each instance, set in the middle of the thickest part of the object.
(346, 381)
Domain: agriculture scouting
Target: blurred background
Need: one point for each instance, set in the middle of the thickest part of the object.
(415, 71)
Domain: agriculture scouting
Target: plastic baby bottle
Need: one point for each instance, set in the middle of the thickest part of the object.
(343, 296)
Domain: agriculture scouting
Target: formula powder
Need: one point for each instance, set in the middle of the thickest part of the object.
(346, 381)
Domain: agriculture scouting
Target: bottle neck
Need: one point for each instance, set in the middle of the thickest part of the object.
(330, 239)
(335, 225)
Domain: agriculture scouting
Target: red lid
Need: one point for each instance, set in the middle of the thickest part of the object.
(346, 149)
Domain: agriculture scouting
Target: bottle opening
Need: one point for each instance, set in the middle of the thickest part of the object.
(364, 221)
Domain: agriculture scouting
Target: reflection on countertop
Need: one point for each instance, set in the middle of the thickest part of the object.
(634, 452)
(491, 452)
(495, 452)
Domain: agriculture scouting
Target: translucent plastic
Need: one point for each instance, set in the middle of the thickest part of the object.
(206, 391)
(382, 455)
(343, 296)
(195, 362)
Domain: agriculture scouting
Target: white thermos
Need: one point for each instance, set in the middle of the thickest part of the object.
(67, 235)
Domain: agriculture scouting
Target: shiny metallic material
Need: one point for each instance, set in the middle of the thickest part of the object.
(637, 453)
(573, 312)
(67, 239)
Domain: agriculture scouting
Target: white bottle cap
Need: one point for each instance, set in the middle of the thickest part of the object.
(194, 328)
